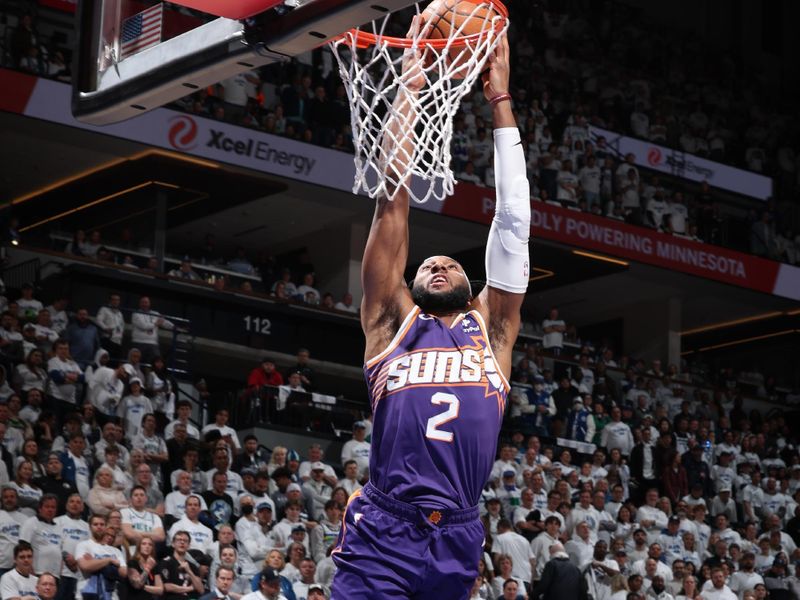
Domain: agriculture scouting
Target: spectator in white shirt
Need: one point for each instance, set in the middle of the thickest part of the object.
(469, 175)
(517, 547)
(567, 184)
(28, 306)
(111, 323)
(145, 324)
(44, 536)
(745, 578)
(346, 304)
(58, 315)
(20, 582)
(306, 290)
(718, 590)
(350, 482)
(554, 328)
(201, 536)
(640, 122)
(183, 408)
(589, 179)
(617, 434)
(678, 214)
(65, 375)
(358, 449)
(225, 431)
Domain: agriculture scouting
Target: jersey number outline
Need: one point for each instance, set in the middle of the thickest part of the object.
(432, 432)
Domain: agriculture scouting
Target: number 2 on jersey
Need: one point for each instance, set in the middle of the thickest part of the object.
(451, 413)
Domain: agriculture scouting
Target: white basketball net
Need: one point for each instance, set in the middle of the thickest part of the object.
(373, 78)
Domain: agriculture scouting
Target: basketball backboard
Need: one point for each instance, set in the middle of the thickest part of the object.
(136, 55)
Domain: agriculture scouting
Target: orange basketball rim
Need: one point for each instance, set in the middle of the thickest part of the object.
(365, 39)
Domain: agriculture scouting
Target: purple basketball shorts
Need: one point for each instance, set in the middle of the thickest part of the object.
(390, 549)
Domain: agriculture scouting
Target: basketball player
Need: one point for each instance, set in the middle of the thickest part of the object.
(437, 363)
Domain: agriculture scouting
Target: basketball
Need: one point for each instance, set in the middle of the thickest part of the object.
(461, 18)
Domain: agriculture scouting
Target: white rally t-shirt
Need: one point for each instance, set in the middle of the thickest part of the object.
(95, 550)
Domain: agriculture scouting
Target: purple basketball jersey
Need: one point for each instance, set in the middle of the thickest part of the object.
(437, 400)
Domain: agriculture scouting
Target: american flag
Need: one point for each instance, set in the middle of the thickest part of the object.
(141, 31)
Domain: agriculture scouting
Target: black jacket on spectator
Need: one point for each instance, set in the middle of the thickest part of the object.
(637, 462)
(60, 487)
(563, 399)
(697, 471)
(560, 580)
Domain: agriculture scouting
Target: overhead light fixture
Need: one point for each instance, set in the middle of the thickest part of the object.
(89, 204)
(600, 257)
(747, 340)
(542, 274)
(724, 324)
(113, 163)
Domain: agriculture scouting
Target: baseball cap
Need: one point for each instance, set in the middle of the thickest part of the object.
(268, 575)
(135, 380)
(621, 552)
(725, 488)
(509, 473)
(263, 506)
(317, 466)
(292, 455)
(778, 562)
(357, 425)
(317, 587)
(674, 519)
(293, 487)
(249, 471)
(297, 528)
(538, 378)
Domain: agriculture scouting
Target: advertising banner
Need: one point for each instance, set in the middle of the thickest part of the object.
(688, 166)
(214, 140)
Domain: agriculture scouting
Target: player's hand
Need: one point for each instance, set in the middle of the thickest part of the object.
(495, 78)
(413, 75)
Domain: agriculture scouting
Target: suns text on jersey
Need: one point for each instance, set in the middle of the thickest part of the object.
(465, 365)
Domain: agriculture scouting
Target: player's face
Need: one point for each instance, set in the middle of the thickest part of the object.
(440, 285)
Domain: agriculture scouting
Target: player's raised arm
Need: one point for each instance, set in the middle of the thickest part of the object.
(507, 255)
(386, 298)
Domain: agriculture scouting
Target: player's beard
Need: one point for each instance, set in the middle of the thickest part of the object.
(432, 302)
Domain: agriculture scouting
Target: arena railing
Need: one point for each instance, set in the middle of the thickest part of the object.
(301, 410)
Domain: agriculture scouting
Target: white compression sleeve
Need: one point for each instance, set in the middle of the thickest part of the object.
(507, 259)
